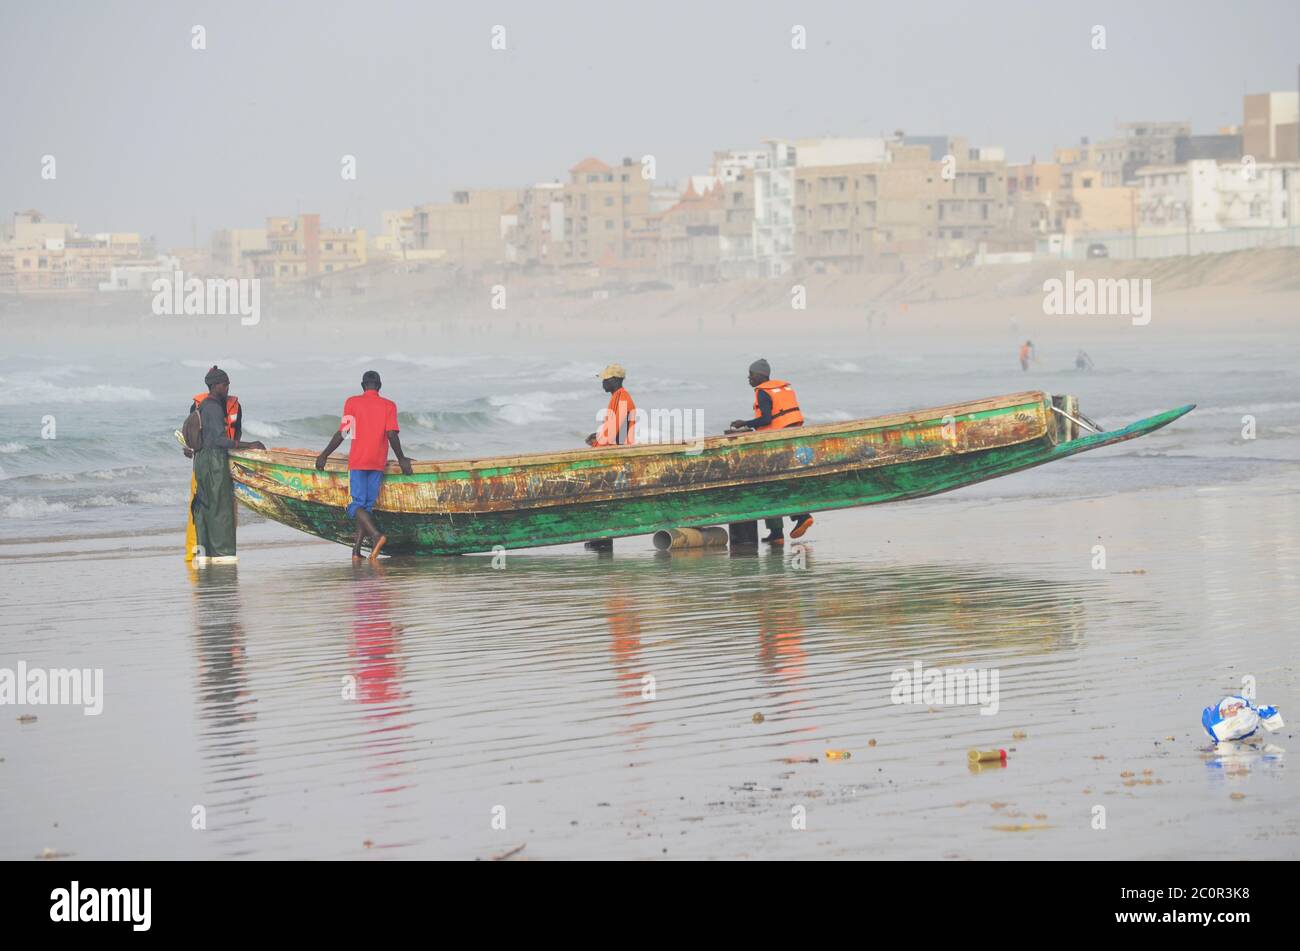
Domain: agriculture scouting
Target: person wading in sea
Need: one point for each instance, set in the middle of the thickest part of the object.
(617, 427)
(1027, 353)
(775, 407)
(372, 420)
(216, 422)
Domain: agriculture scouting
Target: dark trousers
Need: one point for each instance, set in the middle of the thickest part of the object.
(774, 524)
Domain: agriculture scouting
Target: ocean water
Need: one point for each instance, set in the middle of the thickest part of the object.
(574, 705)
(113, 458)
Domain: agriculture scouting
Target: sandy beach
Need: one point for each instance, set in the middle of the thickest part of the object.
(519, 694)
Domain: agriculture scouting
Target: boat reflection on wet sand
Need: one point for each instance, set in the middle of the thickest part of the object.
(436, 686)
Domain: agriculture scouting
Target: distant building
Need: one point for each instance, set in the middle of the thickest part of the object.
(42, 255)
(1035, 202)
(299, 249)
(1091, 205)
(1271, 126)
(757, 230)
(471, 229)
(1139, 143)
(607, 215)
(1207, 196)
(230, 247)
(537, 238)
(1220, 148)
(689, 239)
(894, 199)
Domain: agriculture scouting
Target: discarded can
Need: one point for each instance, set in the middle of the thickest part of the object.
(1235, 718)
(838, 754)
(987, 756)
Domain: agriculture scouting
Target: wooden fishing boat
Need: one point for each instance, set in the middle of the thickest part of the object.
(474, 505)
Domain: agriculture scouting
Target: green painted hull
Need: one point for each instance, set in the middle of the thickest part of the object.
(474, 506)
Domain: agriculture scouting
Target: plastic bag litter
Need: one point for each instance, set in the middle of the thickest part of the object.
(1235, 718)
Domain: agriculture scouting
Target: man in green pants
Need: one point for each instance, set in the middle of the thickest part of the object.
(220, 421)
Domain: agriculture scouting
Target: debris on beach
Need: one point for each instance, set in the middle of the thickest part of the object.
(1019, 735)
(1237, 795)
(987, 756)
(838, 754)
(759, 718)
(27, 718)
(48, 853)
(871, 742)
(512, 852)
(1235, 718)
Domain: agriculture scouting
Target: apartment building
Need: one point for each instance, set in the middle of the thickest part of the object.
(608, 217)
(757, 230)
(1207, 196)
(689, 236)
(537, 238)
(896, 199)
(1089, 204)
(471, 229)
(300, 249)
(1034, 201)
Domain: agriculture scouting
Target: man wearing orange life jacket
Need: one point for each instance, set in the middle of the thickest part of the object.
(618, 425)
(775, 407)
(212, 508)
(1026, 354)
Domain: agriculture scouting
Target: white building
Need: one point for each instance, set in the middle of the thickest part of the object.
(140, 277)
(774, 208)
(1206, 196)
(757, 237)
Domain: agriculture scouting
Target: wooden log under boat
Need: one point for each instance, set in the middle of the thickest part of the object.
(460, 506)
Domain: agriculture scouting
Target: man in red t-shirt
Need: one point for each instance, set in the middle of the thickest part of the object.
(372, 421)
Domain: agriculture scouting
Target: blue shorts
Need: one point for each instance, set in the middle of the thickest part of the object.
(365, 489)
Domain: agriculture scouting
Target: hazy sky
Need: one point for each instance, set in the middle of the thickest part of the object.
(150, 135)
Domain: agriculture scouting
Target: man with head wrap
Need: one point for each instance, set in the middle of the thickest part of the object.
(220, 424)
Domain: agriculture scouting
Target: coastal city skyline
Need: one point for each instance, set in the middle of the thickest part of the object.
(777, 207)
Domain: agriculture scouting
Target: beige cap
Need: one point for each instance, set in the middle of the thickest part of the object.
(613, 371)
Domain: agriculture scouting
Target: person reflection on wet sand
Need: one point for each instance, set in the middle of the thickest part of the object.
(623, 615)
(375, 649)
(224, 697)
(227, 707)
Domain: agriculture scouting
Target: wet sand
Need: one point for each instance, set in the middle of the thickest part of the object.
(518, 694)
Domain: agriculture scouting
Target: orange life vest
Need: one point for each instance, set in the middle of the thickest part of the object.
(785, 405)
(1024, 351)
(621, 412)
(232, 412)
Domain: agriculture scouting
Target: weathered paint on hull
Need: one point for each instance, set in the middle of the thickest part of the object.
(313, 502)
